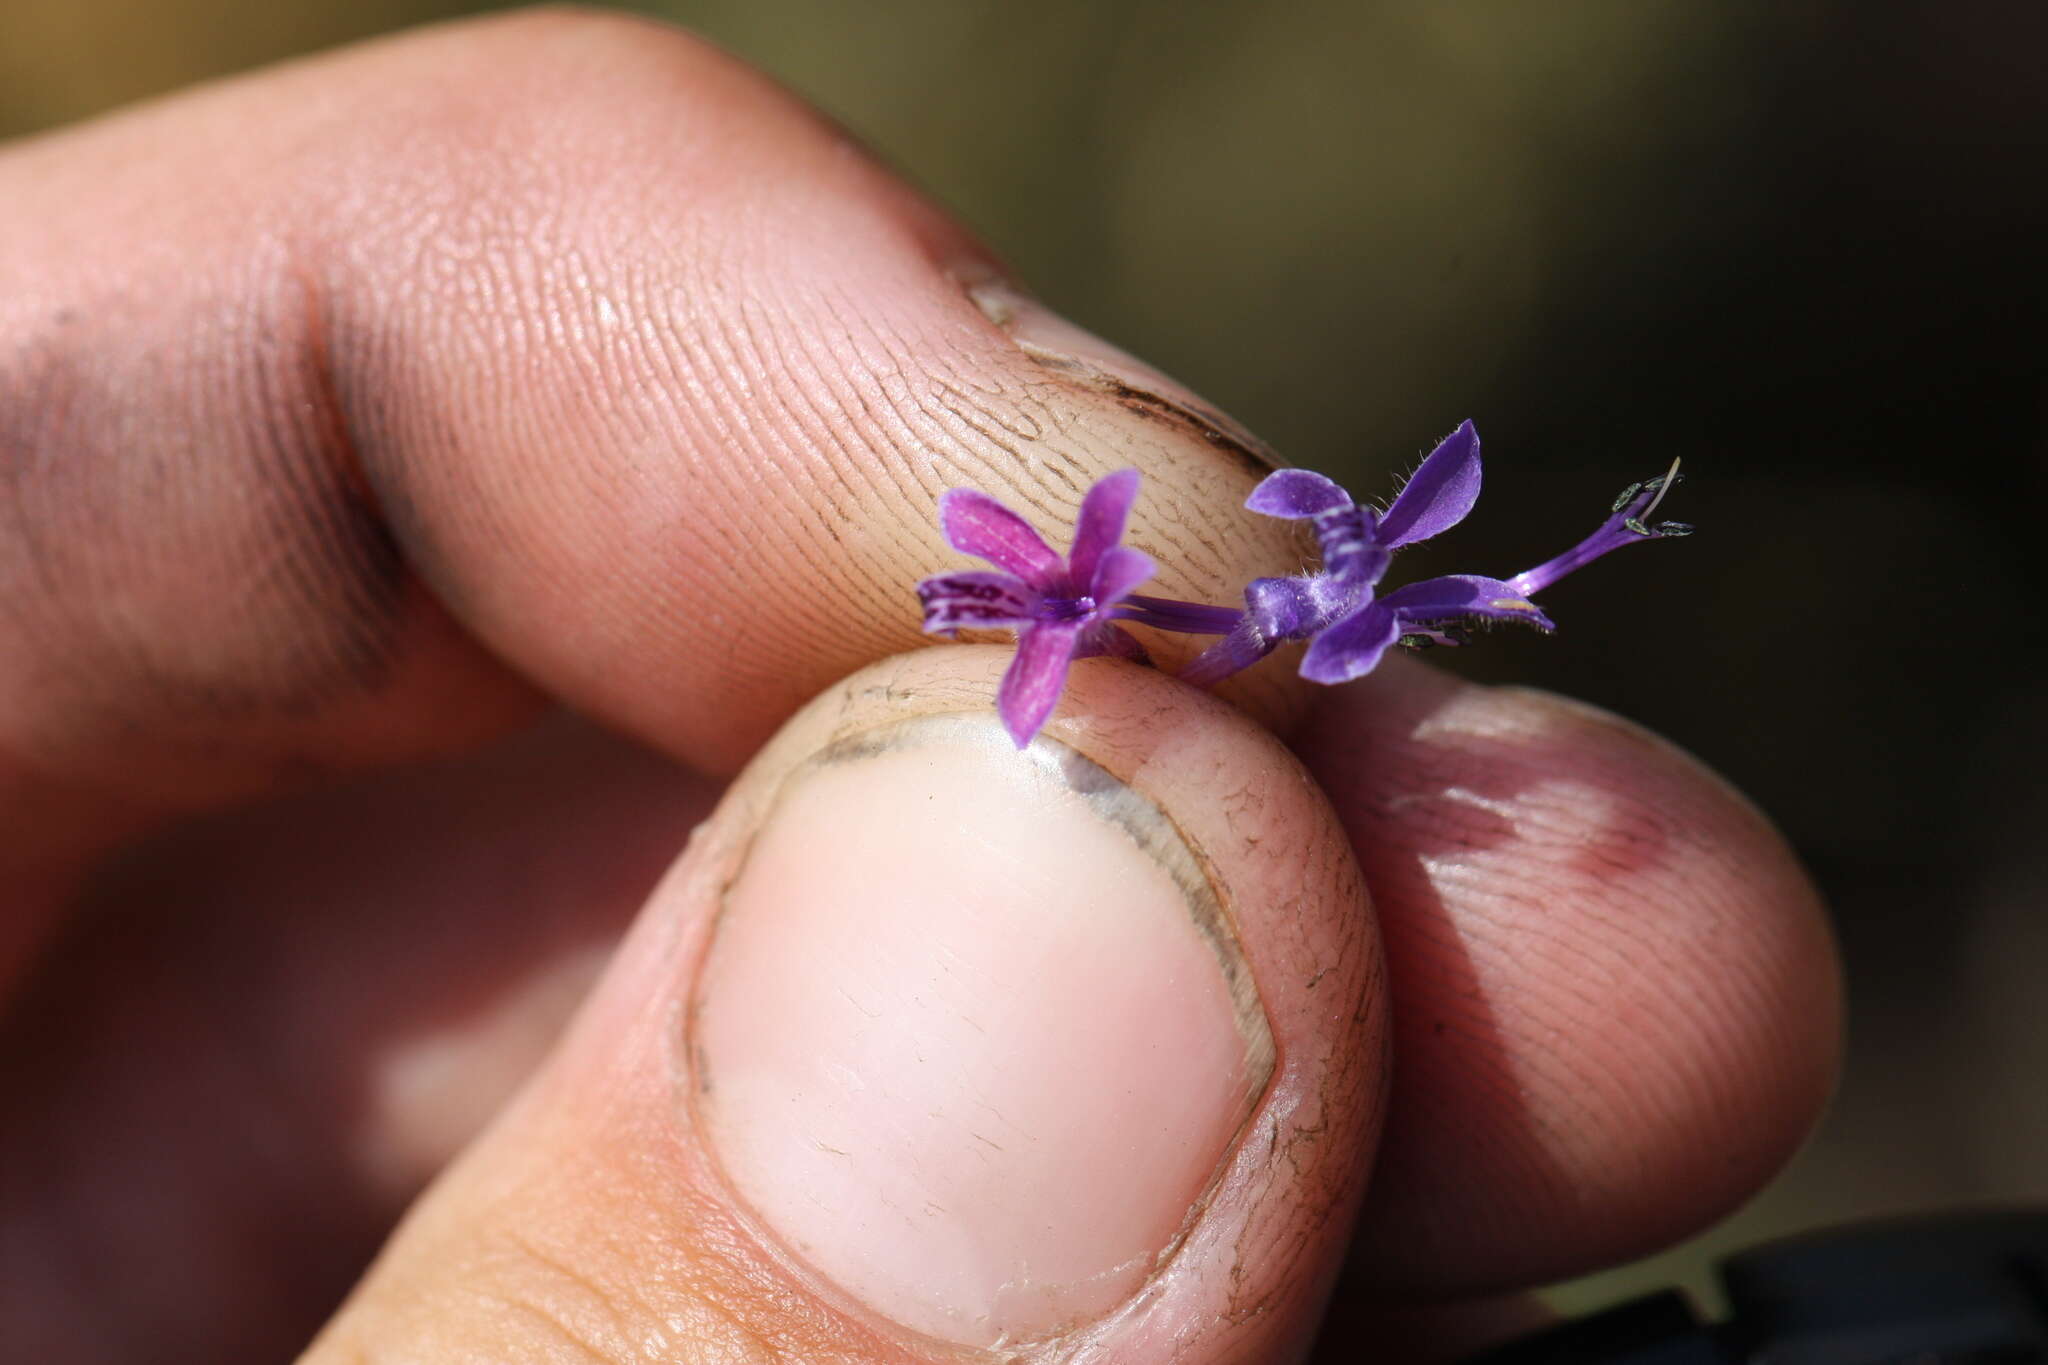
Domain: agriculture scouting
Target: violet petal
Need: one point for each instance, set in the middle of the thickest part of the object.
(1100, 524)
(1351, 648)
(1117, 574)
(1297, 493)
(976, 524)
(1354, 556)
(1439, 495)
(1458, 596)
(1031, 686)
(975, 600)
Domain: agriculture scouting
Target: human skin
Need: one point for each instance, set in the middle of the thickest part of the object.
(360, 417)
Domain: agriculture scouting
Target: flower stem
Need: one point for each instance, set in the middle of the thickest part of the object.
(1183, 618)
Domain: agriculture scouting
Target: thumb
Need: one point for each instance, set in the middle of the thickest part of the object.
(927, 1043)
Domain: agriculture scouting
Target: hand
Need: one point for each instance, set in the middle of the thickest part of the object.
(358, 417)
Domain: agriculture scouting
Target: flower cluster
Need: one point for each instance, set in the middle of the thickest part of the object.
(1067, 608)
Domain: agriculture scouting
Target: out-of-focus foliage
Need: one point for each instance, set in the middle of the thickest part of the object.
(1798, 242)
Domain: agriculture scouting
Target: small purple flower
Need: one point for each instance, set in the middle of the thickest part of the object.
(1350, 626)
(1060, 608)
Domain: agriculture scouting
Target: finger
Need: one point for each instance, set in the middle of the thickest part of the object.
(930, 1043)
(1616, 1000)
(273, 1025)
(345, 409)
(1405, 1331)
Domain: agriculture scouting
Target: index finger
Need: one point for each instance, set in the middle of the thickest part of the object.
(346, 410)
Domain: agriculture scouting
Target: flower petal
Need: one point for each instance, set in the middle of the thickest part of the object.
(1285, 608)
(1117, 575)
(1439, 496)
(1100, 524)
(1351, 648)
(1460, 596)
(1297, 493)
(1031, 687)
(975, 600)
(1354, 556)
(976, 524)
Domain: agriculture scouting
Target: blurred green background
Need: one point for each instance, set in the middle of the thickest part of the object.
(1798, 243)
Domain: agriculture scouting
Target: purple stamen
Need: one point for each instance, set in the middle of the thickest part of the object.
(1066, 608)
(1627, 526)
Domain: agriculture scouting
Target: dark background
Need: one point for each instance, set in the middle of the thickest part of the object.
(1799, 243)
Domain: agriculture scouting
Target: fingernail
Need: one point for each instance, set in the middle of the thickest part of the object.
(973, 1036)
(1059, 345)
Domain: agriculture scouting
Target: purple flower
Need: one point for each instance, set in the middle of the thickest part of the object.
(1060, 608)
(1349, 625)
